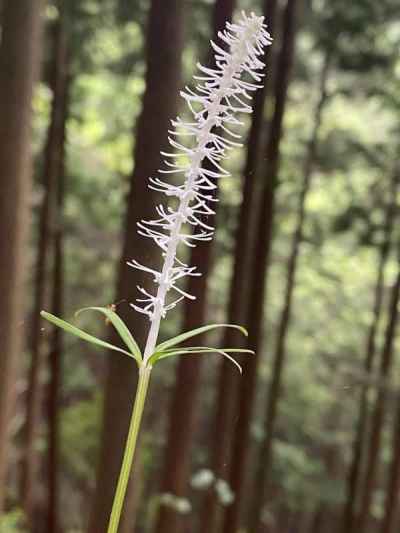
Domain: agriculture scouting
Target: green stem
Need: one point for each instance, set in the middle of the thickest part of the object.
(134, 426)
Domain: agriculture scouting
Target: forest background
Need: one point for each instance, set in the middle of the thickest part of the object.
(306, 256)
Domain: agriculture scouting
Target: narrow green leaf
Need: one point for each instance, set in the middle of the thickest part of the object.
(120, 326)
(196, 348)
(192, 333)
(81, 334)
(163, 355)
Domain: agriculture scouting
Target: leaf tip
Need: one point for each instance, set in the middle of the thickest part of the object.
(244, 331)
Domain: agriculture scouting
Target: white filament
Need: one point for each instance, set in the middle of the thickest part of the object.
(213, 103)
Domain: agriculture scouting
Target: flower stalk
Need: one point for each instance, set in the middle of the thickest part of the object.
(130, 447)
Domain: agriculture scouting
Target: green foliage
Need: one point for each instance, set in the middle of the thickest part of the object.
(164, 350)
(80, 427)
(196, 350)
(11, 522)
(69, 328)
(171, 347)
(121, 328)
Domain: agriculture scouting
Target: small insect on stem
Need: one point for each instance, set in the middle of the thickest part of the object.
(112, 307)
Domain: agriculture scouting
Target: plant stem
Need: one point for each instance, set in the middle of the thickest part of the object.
(134, 426)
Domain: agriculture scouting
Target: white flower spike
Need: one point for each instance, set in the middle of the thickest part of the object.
(219, 95)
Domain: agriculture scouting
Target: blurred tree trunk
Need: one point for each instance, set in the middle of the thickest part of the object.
(163, 57)
(263, 238)
(55, 358)
(184, 405)
(393, 488)
(360, 440)
(319, 520)
(52, 157)
(56, 344)
(19, 58)
(222, 423)
(324, 520)
(378, 415)
(264, 457)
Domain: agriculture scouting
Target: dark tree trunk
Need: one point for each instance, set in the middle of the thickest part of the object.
(228, 381)
(264, 458)
(184, 406)
(359, 443)
(56, 345)
(53, 155)
(319, 521)
(393, 488)
(165, 26)
(19, 57)
(55, 356)
(378, 415)
(241, 442)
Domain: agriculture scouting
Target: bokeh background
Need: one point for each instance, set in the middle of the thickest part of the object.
(306, 256)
